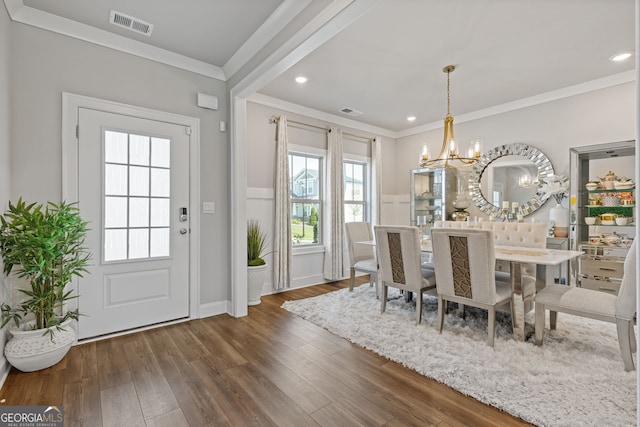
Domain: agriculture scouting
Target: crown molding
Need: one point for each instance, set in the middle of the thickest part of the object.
(554, 95)
(47, 21)
(269, 101)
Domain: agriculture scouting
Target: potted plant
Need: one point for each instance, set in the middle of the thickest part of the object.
(44, 245)
(256, 265)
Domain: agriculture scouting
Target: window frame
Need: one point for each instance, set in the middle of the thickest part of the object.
(321, 155)
(366, 202)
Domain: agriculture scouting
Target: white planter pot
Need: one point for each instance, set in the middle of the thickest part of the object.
(255, 280)
(29, 350)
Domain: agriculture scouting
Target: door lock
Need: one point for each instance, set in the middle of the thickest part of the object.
(183, 215)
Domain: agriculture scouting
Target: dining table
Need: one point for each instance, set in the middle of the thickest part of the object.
(517, 255)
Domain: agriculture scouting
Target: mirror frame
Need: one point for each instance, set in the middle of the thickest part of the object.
(540, 161)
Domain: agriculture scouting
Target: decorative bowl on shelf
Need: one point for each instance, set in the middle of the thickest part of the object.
(590, 220)
(608, 222)
(591, 186)
(621, 220)
(610, 201)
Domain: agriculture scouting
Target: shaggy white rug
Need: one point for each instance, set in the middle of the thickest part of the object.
(576, 378)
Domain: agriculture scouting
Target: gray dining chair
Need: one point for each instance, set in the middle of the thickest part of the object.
(619, 309)
(464, 262)
(362, 257)
(398, 249)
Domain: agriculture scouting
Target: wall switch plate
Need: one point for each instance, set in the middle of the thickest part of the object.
(208, 207)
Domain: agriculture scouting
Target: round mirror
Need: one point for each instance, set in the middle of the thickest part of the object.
(509, 173)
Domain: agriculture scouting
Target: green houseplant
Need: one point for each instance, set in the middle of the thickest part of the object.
(42, 244)
(257, 266)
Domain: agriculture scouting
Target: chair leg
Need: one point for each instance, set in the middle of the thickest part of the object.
(372, 279)
(418, 307)
(553, 320)
(383, 304)
(540, 318)
(492, 325)
(632, 339)
(514, 321)
(441, 303)
(353, 279)
(623, 327)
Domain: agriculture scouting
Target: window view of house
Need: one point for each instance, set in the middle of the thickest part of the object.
(306, 199)
(355, 192)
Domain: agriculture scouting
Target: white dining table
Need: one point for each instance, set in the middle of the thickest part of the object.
(518, 254)
(543, 258)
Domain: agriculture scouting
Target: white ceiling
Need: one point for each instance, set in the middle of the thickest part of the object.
(388, 63)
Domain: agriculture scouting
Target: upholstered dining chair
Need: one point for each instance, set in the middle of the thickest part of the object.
(362, 257)
(398, 249)
(465, 273)
(619, 309)
(523, 234)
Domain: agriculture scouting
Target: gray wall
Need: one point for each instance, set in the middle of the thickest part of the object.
(45, 64)
(5, 138)
(605, 115)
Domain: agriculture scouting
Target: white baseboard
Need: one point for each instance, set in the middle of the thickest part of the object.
(214, 308)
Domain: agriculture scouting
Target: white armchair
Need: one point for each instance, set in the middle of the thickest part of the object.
(620, 309)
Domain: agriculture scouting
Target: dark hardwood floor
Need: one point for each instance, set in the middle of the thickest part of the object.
(270, 368)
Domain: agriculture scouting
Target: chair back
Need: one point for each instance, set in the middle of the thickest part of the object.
(398, 249)
(626, 303)
(527, 234)
(465, 263)
(359, 232)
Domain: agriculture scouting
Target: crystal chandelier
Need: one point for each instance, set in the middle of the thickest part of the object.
(449, 155)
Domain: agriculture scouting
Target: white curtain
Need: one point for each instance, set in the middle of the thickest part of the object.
(376, 178)
(282, 235)
(333, 212)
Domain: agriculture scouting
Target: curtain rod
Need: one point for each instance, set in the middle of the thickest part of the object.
(275, 119)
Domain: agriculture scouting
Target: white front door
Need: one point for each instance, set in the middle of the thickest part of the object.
(133, 188)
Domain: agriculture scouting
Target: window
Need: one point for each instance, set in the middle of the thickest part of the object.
(355, 192)
(306, 199)
(136, 196)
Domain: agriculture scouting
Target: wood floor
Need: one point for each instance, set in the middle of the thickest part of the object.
(270, 368)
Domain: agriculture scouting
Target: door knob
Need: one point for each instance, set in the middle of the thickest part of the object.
(183, 231)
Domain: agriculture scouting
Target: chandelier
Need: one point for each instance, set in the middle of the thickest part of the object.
(449, 155)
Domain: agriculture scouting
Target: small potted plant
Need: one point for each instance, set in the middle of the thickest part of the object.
(44, 245)
(257, 266)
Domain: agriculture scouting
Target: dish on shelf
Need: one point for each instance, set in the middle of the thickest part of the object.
(590, 220)
(591, 186)
(608, 222)
(624, 186)
(610, 201)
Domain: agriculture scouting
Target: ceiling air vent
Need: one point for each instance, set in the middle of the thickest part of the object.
(351, 112)
(130, 23)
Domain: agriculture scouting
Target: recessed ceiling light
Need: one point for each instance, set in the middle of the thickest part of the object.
(411, 118)
(620, 56)
(301, 79)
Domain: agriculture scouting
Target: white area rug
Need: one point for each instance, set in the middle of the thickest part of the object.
(576, 378)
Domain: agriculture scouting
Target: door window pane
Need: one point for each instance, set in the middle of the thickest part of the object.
(115, 180)
(115, 147)
(138, 243)
(160, 182)
(115, 212)
(139, 212)
(160, 242)
(136, 225)
(115, 245)
(160, 150)
(160, 214)
(139, 150)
